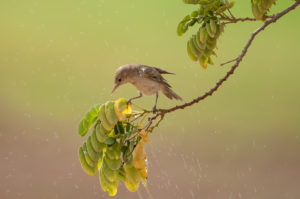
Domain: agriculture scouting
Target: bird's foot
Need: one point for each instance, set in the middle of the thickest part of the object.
(154, 109)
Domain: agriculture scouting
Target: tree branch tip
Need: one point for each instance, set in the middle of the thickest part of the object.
(237, 60)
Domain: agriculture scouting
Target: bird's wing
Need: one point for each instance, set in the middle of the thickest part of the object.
(163, 71)
(153, 74)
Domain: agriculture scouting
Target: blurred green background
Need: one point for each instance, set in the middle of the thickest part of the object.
(57, 59)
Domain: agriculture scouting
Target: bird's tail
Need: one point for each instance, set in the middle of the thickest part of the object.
(171, 94)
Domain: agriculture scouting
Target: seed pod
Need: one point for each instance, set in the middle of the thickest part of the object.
(110, 113)
(194, 49)
(202, 46)
(89, 160)
(190, 53)
(211, 44)
(87, 168)
(144, 173)
(261, 7)
(202, 35)
(101, 133)
(132, 175)
(213, 26)
(121, 174)
(112, 163)
(139, 152)
(110, 187)
(209, 31)
(114, 151)
(131, 187)
(111, 175)
(207, 52)
(97, 146)
(203, 61)
(210, 61)
(93, 154)
(255, 11)
(196, 44)
(103, 119)
(122, 109)
(139, 164)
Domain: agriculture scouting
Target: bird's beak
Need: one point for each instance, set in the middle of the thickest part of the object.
(115, 88)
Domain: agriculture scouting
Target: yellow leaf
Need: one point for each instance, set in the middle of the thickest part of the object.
(139, 163)
(139, 152)
(143, 172)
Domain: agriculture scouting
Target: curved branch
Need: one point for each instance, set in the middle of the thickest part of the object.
(162, 112)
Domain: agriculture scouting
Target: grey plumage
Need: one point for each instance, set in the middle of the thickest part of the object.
(147, 79)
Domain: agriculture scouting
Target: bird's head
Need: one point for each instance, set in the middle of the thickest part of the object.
(120, 77)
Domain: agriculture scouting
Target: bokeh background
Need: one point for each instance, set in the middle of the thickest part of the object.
(57, 59)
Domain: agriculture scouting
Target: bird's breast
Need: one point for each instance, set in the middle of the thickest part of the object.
(146, 86)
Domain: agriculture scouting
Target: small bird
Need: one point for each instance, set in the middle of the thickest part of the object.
(148, 80)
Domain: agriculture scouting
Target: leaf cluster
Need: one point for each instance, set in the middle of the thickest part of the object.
(211, 17)
(260, 8)
(201, 46)
(115, 147)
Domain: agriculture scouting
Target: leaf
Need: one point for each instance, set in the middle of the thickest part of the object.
(119, 128)
(87, 168)
(86, 123)
(110, 141)
(128, 127)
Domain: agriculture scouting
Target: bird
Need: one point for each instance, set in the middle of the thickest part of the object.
(148, 81)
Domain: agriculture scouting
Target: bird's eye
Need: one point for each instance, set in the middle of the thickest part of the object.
(119, 80)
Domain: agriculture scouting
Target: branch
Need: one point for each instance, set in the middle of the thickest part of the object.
(273, 19)
(235, 20)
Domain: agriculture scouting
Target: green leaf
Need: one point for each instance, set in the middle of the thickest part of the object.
(119, 128)
(110, 141)
(87, 168)
(128, 127)
(195, 13)
(86, 123)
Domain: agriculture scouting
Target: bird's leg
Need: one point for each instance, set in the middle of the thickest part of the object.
(129, 101)
(154, 107)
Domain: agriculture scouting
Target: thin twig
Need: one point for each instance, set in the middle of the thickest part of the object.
(157, 123)
(144, 110)
(235, 20)
(138, 116)
(228, 9)
(128, 155)
(138, 131)
(142, 120)
(131, 137)
(228, 61)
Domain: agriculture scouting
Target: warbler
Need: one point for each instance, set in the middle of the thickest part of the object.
(147, 79)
